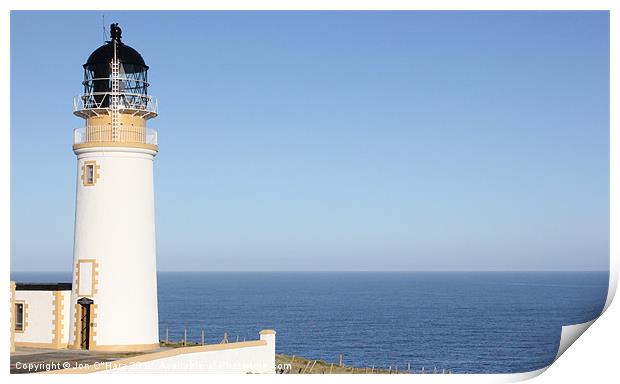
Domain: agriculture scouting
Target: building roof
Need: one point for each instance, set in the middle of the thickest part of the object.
(42, 286)
(125, 54)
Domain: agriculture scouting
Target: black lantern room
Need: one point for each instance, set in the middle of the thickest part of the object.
(99, 73)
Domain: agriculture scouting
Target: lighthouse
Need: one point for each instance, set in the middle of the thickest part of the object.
(114, 291)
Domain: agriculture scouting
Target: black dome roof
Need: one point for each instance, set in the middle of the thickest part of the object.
(105, 54)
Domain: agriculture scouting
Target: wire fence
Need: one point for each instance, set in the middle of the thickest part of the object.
(293, 364)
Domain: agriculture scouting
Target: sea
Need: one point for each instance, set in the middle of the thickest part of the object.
(462, 322)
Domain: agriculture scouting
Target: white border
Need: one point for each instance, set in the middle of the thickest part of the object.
(571, 370)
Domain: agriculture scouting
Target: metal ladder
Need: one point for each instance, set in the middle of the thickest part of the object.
(115, 65)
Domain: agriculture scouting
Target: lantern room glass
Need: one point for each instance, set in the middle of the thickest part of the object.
(133, 84)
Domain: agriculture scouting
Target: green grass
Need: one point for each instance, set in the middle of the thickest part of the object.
(300, 365)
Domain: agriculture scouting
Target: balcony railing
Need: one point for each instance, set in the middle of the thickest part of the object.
(127, 134)
(88, 105)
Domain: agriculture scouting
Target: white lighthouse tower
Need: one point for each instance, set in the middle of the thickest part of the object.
(114, 292)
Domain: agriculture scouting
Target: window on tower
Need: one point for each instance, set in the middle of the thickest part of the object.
(89, 173)
(19, 317)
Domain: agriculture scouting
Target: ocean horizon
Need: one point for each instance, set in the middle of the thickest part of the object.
(465, 322)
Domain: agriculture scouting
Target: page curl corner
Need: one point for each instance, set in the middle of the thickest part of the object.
(570, 333)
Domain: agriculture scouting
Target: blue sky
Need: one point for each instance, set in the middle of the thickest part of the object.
(336, 140)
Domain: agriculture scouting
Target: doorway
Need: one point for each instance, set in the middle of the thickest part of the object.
(84, 322)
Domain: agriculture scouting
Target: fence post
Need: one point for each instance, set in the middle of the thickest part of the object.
(311, 368)
(202, 337)
(184, 337)
(306, 367)
(340, 360)
(166, 335)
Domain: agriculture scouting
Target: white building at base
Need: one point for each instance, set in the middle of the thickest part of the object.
(40, 315)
